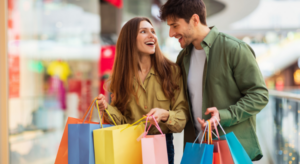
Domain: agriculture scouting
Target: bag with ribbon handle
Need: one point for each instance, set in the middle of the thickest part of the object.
(154, 147)
(199, 153)
(222, 153)
(62, 153)
(80, 140)
(118, 144)
(235, 153)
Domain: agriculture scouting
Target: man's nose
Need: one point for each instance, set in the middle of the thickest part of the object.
(171, 33)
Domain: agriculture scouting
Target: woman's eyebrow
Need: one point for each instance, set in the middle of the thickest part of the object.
(146, 28)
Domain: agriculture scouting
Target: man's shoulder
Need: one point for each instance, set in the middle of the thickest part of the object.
(229, 40)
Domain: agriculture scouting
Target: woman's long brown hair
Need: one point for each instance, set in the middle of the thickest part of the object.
(126, 67)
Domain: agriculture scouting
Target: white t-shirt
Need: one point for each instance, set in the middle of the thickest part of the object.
(195, 80)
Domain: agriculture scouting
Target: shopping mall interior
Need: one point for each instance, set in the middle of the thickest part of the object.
(59, 53)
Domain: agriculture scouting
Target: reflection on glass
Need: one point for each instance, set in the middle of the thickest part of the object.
(53, 54)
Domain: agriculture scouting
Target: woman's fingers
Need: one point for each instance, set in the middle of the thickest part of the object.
(100, 97)
(101, 104)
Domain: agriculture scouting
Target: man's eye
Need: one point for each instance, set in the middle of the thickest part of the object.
(174, 26)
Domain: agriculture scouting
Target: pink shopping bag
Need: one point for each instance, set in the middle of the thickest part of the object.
(154, 147)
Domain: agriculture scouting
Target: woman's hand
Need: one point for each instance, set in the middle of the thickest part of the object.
(158, 114)
(102, 102)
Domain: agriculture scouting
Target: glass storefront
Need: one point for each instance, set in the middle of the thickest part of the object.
(53, 54)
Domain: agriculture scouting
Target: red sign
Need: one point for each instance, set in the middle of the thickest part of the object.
(106, 63)
(14, 76)
(117, 3)
(107, 58)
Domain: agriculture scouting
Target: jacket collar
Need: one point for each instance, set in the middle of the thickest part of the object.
(207, 41)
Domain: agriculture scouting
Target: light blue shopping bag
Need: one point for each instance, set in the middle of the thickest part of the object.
(195, 153)
(238, 153)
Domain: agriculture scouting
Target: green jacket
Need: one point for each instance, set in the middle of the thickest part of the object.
(233, 83)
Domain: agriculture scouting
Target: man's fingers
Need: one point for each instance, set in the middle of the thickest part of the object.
(200, 121)
(210, 110)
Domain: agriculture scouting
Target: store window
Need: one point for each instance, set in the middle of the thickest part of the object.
(53, 54)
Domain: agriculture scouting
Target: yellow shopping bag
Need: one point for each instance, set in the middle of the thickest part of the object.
(118, 144)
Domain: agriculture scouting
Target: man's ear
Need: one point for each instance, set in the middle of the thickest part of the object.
(195, 19)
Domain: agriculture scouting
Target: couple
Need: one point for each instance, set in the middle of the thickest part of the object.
(215, 76)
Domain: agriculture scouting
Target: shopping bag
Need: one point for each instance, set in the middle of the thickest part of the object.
(118, 144)
(222, 153)
(62, 153)
(154, 147)
(216, 158)
(80, 142)
(237, 151)
(202, 153)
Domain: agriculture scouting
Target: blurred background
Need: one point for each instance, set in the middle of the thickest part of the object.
(60, 53)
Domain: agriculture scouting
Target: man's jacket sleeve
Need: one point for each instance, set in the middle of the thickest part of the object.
(251, 84)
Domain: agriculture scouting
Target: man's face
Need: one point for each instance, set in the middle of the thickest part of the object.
(181, 30)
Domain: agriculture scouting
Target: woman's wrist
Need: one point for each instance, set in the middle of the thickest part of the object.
(165, 116)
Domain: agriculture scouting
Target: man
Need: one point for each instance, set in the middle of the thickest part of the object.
(221, 76)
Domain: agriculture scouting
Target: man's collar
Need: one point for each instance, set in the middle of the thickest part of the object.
(208, 40)
(211, 36)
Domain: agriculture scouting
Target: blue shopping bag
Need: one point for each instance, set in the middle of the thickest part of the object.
(80, 142)
(238, 152)
(202, 153)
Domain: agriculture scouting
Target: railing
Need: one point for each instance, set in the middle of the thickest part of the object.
(278, 128)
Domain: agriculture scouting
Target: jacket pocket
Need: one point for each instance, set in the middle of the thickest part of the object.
(161, 96)
(162, 101)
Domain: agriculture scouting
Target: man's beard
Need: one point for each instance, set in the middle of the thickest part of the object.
(187, 38)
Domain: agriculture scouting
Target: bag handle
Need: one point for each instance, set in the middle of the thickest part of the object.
(156, 125)
(203, 133)
(207, 127)
(97, 105)
(134, 123)
(87, 112)
(214, 117)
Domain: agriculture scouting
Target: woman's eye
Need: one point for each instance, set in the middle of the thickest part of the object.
(153, 32)
(143, 31)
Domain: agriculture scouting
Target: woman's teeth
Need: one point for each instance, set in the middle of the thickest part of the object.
(150, 43)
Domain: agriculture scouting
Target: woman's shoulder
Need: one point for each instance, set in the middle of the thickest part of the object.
(175, 69)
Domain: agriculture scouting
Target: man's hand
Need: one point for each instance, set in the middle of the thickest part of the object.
(159, 115)
(102, 102)
(213, 111)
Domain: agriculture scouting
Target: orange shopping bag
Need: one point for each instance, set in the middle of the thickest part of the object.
(62, 153)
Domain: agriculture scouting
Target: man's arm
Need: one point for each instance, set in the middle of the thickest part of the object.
(251, 84)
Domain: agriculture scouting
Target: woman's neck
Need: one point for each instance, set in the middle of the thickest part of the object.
(145, 63)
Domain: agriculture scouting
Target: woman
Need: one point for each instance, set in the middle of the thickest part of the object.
(144, 82)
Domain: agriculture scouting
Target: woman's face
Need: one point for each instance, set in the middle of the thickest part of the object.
(146, 39)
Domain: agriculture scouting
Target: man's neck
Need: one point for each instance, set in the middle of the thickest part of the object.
(201, 32)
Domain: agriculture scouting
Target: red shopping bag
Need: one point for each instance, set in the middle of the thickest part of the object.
(222, 154)
(62, 153)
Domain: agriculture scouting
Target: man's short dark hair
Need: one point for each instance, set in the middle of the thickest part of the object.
(183, 9)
